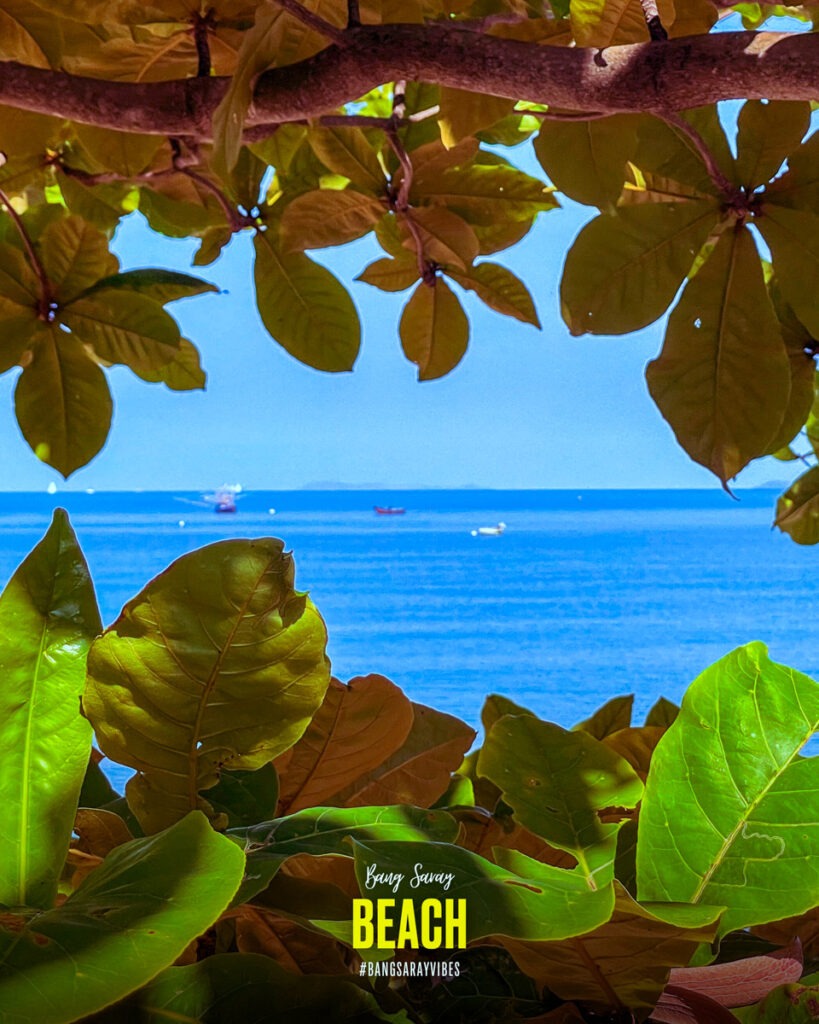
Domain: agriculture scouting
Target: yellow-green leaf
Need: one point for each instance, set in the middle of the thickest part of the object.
(305, 308)
(723, 379)
(62, 401)
(445, 237)
(75, 256)
(183, 373)
(124, 153)
(624, 269)
(434, 330)
(500, 290)
(667, 150)
(218, 663)
(793, 238)
(347, 151)
(328, 217)
(602, 23)
(586, 160)
(797, 511)
(768, 133)
(391, 275)
(463, 113)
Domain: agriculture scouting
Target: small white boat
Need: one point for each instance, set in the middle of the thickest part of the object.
(489, 531)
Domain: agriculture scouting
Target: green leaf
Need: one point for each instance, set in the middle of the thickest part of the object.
(391, 275)
(728, 811)
(598, 24)
(320, 831)
(524, 898)
(797, 510)
(667, 150)
(587, 159)
(799, 187)
(788, 1004)
(100, 205)
(463, 113)
(183, 373)
(246, 798)
(124, 327)
(798, 344)
(768, 133)
(234, 987)
(445, 237)
(434, 330)
(347, 151)
(315, 220)
(624, 962)
(662, 713)
(218, 663)
(625, 268)
(793, 238)
(125, 153)
(535, 765)
(305, 308)
(48, 618)
(62, 401)
(500, 290)
(130, 919)
(18, 282)
(722, 380)
(17, 335)
(74, 255)
(614, 715)
(155, 283)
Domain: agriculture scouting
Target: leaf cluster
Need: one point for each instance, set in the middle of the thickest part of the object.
(612, 871)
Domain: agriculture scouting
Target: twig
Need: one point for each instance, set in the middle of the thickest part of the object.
(45, 305)
(324, 28)
(728, 188)
(353, 14)
(400, 202)
(202, 26)
(656, 30)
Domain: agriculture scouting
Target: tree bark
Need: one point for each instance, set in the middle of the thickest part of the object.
(656, 76)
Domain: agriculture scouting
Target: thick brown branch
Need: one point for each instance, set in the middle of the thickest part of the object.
(680, 74)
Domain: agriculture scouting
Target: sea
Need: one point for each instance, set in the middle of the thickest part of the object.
(585, 595)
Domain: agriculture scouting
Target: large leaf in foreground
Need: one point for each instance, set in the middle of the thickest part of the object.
(218, 662)
(624, 962)
(557, 782)
(305, 308)
(434, 330)
(723, 378)
(523, 898)
(129, 920)
(48, 618)
(233, 987)
(329, 830)
(731, 812)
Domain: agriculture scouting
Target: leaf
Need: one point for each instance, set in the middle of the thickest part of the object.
(500, 290)
(419, 771)
(662, 713)
(797, 510)
(741, 982)
(356, 729)
(348, 151)
(99, 831)
(798, 188)
(795, 253)
(129, 919)
(183, 373)
(587, 159)
(18, 282)
(445, 237)
(614, 715)
(636, 746)
(679, 1006)
(218, 663)
(625, 961)
(320, 831)
(124, 327)
(731, 770)
(17, 335)
(62, 402)
(48, 617)
(299, 950)
(767, 134)
(463, 113)
(246, 798)
(125, 153)
(328, 217)
(788, 1004)
(599, 24)
(74, 256)
(667, 150)
(156, 283)
(522, 899)
(100, 205)
(624, 269)
(305, 308)
(798, 344)
(534, 763)
(434, 330)
(96, 789)
(232, 987)
(391, 275)
(722, 380)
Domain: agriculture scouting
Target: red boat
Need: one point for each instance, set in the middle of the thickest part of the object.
(388, 510)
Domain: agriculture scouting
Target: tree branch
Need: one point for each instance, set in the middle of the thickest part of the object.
(680, 74)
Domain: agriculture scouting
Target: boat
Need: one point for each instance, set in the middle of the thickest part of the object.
(223, 499)
(388, 510)
(489, 531)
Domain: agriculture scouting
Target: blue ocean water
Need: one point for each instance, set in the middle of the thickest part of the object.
(586, 595)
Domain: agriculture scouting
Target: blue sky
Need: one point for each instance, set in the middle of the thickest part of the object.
(524, 409)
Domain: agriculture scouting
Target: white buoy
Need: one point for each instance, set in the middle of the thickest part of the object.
(271, 511)
(52, 488)
(182, 522)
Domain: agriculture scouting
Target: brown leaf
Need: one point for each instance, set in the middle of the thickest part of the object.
(636, 745)
(356, 729)
(784, 932)
(297, 949)
(742, 982)
(679, 1006)
(99, 831)
(482, 833)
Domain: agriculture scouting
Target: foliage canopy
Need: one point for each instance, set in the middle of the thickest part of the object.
(313, 124)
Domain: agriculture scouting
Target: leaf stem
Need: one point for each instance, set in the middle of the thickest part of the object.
(46, 295)
(656, 29)
(353, 14)
(202, 25)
